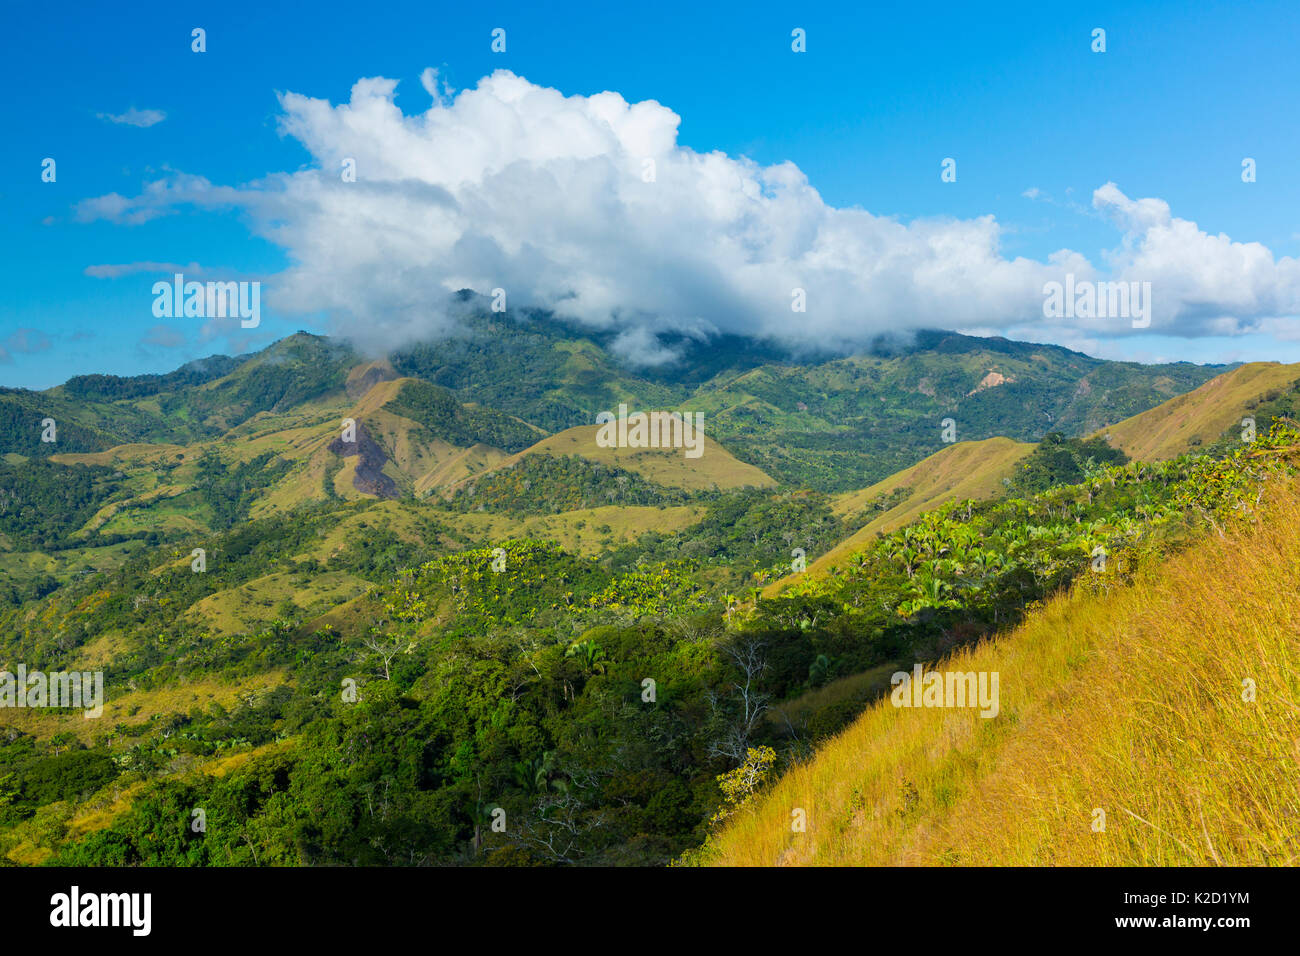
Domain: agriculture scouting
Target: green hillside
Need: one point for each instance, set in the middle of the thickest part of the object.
(834, 424)
(509, 615)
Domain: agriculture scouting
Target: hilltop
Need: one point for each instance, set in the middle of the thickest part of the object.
(431, 420)
(1208, 418)
(1201, 416)
(715, 467)
(831, 423)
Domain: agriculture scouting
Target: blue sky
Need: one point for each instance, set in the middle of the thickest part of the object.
(882, 95)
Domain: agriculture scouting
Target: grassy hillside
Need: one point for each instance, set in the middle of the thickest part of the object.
(1201, 416)
(511, 673)
(963, 470)
(1209, 416)
(1125, 698)
(588, 531)
(497, 588)
(714, 468)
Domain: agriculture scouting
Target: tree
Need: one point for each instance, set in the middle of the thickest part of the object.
(747, 654)
(386, 647)
(590, 655)
(739, 785)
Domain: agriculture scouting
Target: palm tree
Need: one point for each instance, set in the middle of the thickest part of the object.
(590, 655)
(534, 775)
(911, 558)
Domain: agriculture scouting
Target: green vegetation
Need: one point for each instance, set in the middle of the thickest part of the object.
(832, 424)
(513, 677)
(230, 492)
(748, 536)
(878, 505)
(1163, 697)
(292, 371)
(546, 484)
(365, 682)
(42, 503)
(967, 568)
(437, 410)
(1058, 460)
(108, 388)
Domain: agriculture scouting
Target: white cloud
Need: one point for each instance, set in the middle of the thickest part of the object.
(163, 197)
(134, 117)
(515, 186)
(1201, 284)
(430, 81)
(638, 346)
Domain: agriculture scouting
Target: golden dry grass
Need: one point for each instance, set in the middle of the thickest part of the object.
(458, 465)
(1201, 415)
(1129, 702)
(417, 463)
(255, 604)
(715, 467)
(130, 454)
(853, 689)
(134, 708)
(580, 532)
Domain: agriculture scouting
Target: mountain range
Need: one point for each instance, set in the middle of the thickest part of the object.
(232, 541)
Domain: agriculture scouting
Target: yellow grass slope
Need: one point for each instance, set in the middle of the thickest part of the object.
(969, 469)
(1130, 703)
(666, 466)
(1201, 415)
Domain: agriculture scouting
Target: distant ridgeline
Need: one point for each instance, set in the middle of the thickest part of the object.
(581, 643)
(829, 423)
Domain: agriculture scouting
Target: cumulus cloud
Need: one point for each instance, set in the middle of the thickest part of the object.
(135, 117)
(588, 206)
(1201, 284)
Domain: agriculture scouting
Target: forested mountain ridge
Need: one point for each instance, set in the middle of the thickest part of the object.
(825, 422)
(267, 427)
(496, 590)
